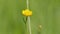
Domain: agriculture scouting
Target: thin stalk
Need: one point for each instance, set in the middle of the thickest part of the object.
(27, 2)
(28, 18)
(29, 26)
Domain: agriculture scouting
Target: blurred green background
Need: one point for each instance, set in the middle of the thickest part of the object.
(45, 13)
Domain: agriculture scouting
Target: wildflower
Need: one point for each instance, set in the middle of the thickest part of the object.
(27, 12)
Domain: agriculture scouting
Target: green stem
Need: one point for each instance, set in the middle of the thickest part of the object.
(28, 18)
(29, 26)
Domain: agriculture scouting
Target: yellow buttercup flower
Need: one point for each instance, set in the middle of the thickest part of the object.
(27, 12)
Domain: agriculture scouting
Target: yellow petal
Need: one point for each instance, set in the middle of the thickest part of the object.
(27, 12)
